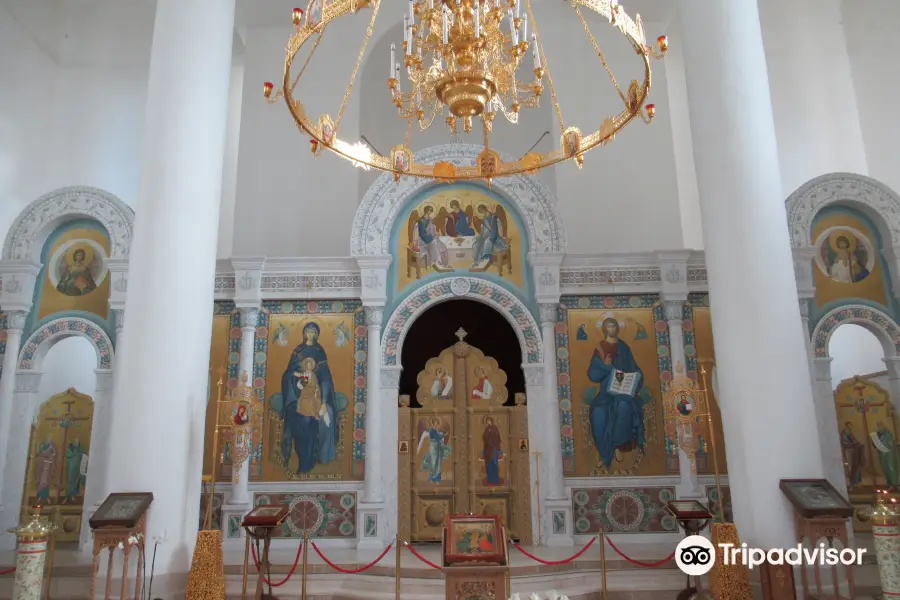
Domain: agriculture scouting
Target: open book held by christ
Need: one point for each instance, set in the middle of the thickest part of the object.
(624, 383)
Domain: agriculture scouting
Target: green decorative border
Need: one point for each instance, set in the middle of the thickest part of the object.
(564, 387)
(361, 347)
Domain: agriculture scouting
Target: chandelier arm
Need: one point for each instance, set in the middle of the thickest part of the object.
(546, 65)
(631, 29)
(309, 58)
(413, 115)
(599, 52)
(359, 58)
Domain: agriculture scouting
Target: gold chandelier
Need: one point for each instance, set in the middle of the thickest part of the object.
(461, 59)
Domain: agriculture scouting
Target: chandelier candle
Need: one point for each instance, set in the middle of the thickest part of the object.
(464, 60)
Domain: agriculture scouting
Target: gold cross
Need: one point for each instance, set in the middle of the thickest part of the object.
(461, 333)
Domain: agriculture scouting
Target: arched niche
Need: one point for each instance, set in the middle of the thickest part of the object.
(485, 328)
(42, 339)
(31, 228)
(874, 199)
(471, 288)
(879, 323)
(386, 200)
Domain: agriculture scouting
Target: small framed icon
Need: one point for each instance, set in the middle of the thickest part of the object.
(523, 444)
(403, 447)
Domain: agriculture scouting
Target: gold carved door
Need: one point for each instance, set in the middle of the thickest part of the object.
(463, 451)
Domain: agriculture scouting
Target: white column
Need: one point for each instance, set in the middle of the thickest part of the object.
(756, 320)
(120, 326)
(813, 96)
(826, 420)
(181, 186)
(25, 405)
(375, 453)
(240, 489)
(541, 437)
(15, 322)
(687, 467)
(550, 401)
(96, 488)
(389, 398)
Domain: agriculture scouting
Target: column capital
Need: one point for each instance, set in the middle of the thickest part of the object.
(18, 278)
(390, 377)
(248, 280)
(674, 311)
(673, 267)
(548, 313)
(821, 367)
(892, 365)
(15, 320)
(119, 314)
(104, 379)
(374, 315)
(534, 374)
(373, 274)
(545, 269)
(118, 277)
(28, 381)
(803, 270)
(249, 316)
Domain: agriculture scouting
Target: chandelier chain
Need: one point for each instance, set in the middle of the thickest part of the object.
(599, 53)
(309, 58)
(540, 45)
(359, 58)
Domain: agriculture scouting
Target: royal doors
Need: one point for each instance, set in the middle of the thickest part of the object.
(463, 451)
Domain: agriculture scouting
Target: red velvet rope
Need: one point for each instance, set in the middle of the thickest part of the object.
(553, 562)
(422, 558)
(350, 571)
(8, 571)
(283, 581)
(639, 563)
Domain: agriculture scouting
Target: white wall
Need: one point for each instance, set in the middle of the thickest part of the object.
(855, 351)
(27, 97)
(70, 363)
(813, 99)
(870, 27)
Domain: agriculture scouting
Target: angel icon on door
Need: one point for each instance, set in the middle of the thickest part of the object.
(436, 432)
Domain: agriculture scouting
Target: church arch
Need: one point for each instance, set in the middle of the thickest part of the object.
(39, 343)
(879, 323)
(472, 288)
(871, 197)
(385, 199)
(29, 231)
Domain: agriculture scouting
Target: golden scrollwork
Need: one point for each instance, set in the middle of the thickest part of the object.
(465, 56)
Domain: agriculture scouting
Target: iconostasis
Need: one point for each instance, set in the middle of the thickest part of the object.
(617, 428)
(309, 377)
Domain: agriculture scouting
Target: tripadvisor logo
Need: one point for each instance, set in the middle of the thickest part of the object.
(695, 555)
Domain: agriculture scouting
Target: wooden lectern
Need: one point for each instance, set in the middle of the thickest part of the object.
(475, 561)
(820, 512)
(259, 524)
(120, 522)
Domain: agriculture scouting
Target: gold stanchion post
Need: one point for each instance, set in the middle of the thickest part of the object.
(54, 523)
(601, 537)
(537, 492)
(397, 569)
(246, 566)
(712, 444)
(508, 564)
(305, 564)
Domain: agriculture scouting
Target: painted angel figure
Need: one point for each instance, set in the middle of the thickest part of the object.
(442, 386)
(490, 237)
(438, 450)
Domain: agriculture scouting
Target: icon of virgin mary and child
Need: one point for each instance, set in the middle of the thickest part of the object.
(309, 404)
(616, 413)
